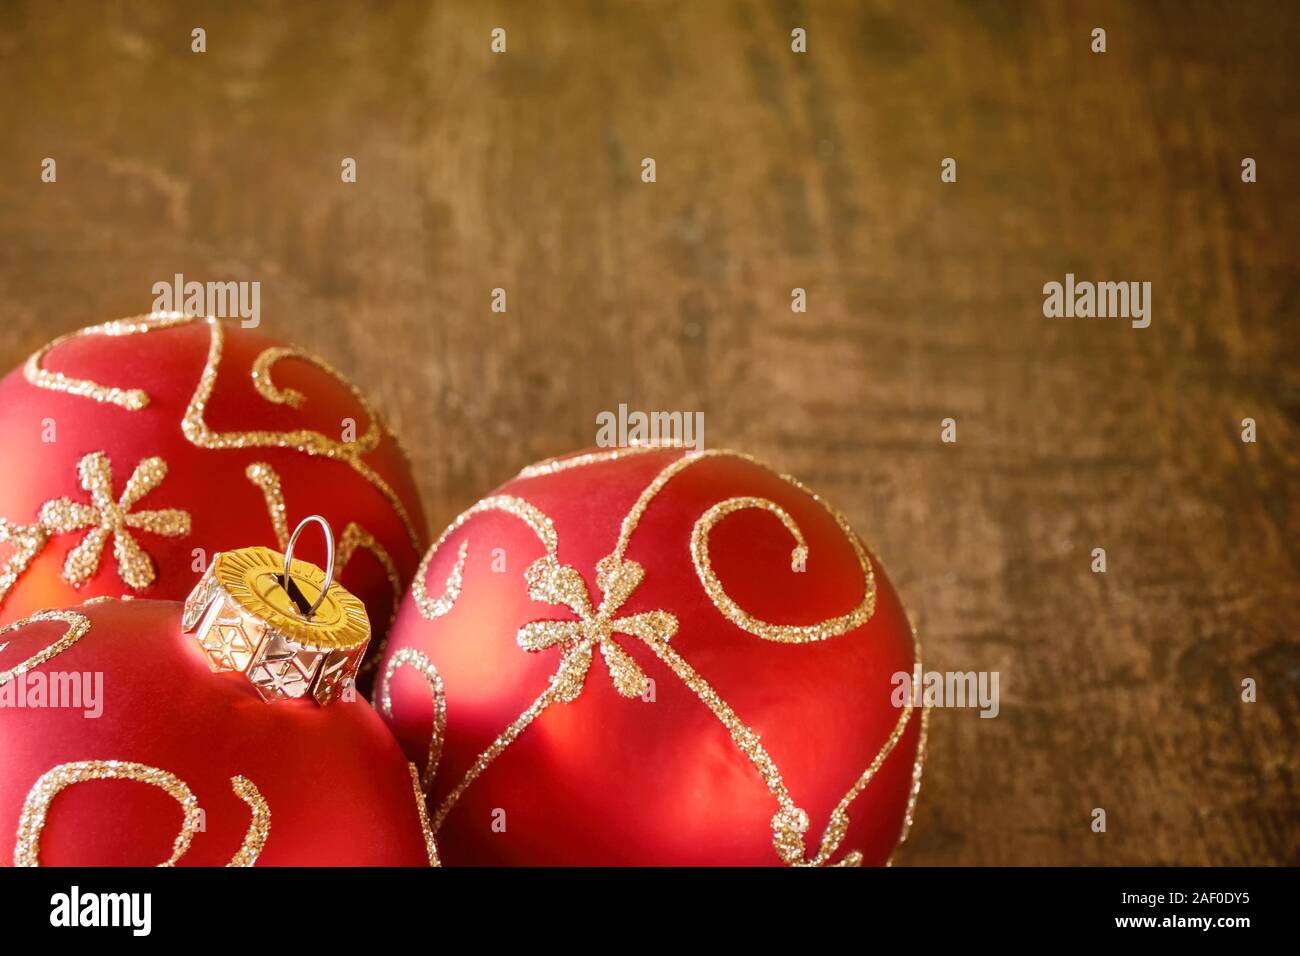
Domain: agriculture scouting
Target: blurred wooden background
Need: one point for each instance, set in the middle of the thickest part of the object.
(778, 170)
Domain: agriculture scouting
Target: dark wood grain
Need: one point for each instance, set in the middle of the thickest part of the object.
(777, 170)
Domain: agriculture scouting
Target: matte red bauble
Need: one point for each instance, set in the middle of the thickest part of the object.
(652, 657)
(121, 746)
(135, 450)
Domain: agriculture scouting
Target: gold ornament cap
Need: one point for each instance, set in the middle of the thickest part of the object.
(284, 623)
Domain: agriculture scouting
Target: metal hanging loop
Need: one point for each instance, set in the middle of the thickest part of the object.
(329, 557)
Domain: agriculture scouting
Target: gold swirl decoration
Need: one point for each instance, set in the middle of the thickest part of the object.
(915, 790)
(37, 804)
(617, 577)
(538, 523)
(31, 821)
(552, 466)
(78, 626)
(132, 399)
(422, 808)
(782, 633)
(434, 608)
(413, 658)
(259, 825)
(193, 423)
(27, 541)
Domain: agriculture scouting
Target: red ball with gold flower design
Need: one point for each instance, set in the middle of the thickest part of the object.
(653, 657)
(137, 449)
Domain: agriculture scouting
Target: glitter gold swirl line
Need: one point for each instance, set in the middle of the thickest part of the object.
(304, 440)
(537, 521)
(916, 775)
(633, 517)
(28, 541)
(782, 633)
(132, 399)
(31, 821)
(267, 480)
(383, 693)
(267, 388)
(259, 827)
(552, 466)
(78, 625)
(434, 608)
(919, 763)
(422, 808)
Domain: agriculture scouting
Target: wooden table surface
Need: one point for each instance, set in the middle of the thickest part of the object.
(777, 170)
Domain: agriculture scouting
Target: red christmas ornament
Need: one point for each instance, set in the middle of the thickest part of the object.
(650, 657)
(137, 449)
(125, 741)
